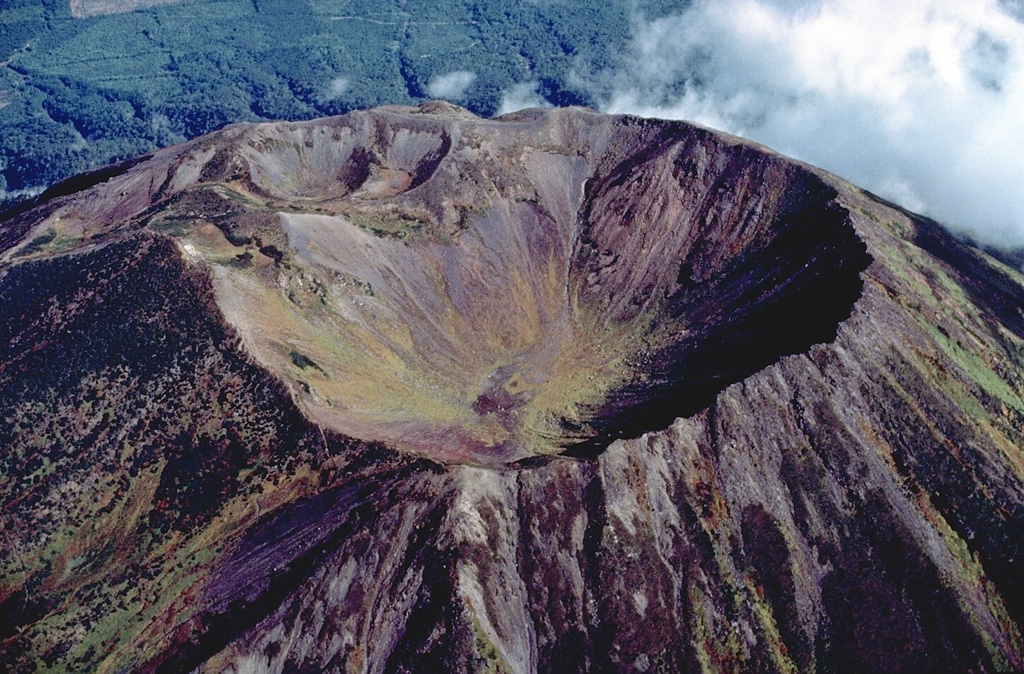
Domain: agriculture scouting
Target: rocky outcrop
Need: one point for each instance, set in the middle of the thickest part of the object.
(412, 391)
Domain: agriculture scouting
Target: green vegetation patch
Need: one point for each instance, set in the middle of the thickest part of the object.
(975, 368)
(395, 225)
(38, 243)
(96, 90)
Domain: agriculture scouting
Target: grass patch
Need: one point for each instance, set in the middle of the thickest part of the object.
(393, 225)
(488, 660)
(976, 369)
(37, 244)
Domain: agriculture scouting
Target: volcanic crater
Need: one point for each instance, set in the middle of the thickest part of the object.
(345, 395)
(485, 291)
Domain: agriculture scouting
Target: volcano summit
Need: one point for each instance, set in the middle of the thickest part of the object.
(484, 291)
(410, 390)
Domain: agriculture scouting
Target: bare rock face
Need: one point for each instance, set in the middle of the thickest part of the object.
(408, 390)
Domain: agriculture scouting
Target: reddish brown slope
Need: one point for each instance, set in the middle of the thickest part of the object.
(821, 466)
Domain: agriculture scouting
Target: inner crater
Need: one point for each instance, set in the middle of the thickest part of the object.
(490, 290)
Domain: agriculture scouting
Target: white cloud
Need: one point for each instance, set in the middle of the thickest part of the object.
(520, 96)
(452, 86)
(920, 101)
(336, 88)
(15, 195)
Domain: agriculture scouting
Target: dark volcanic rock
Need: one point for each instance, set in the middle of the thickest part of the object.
(408, 390)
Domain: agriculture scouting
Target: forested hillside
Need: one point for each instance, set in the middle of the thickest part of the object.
(80, 89)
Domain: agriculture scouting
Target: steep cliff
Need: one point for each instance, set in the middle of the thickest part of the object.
(409, 390)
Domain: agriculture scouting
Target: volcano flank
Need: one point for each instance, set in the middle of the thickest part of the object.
(410, 390)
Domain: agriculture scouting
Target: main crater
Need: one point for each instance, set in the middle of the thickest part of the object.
(485, 291)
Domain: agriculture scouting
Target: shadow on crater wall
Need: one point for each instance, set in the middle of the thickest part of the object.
(746, 294)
